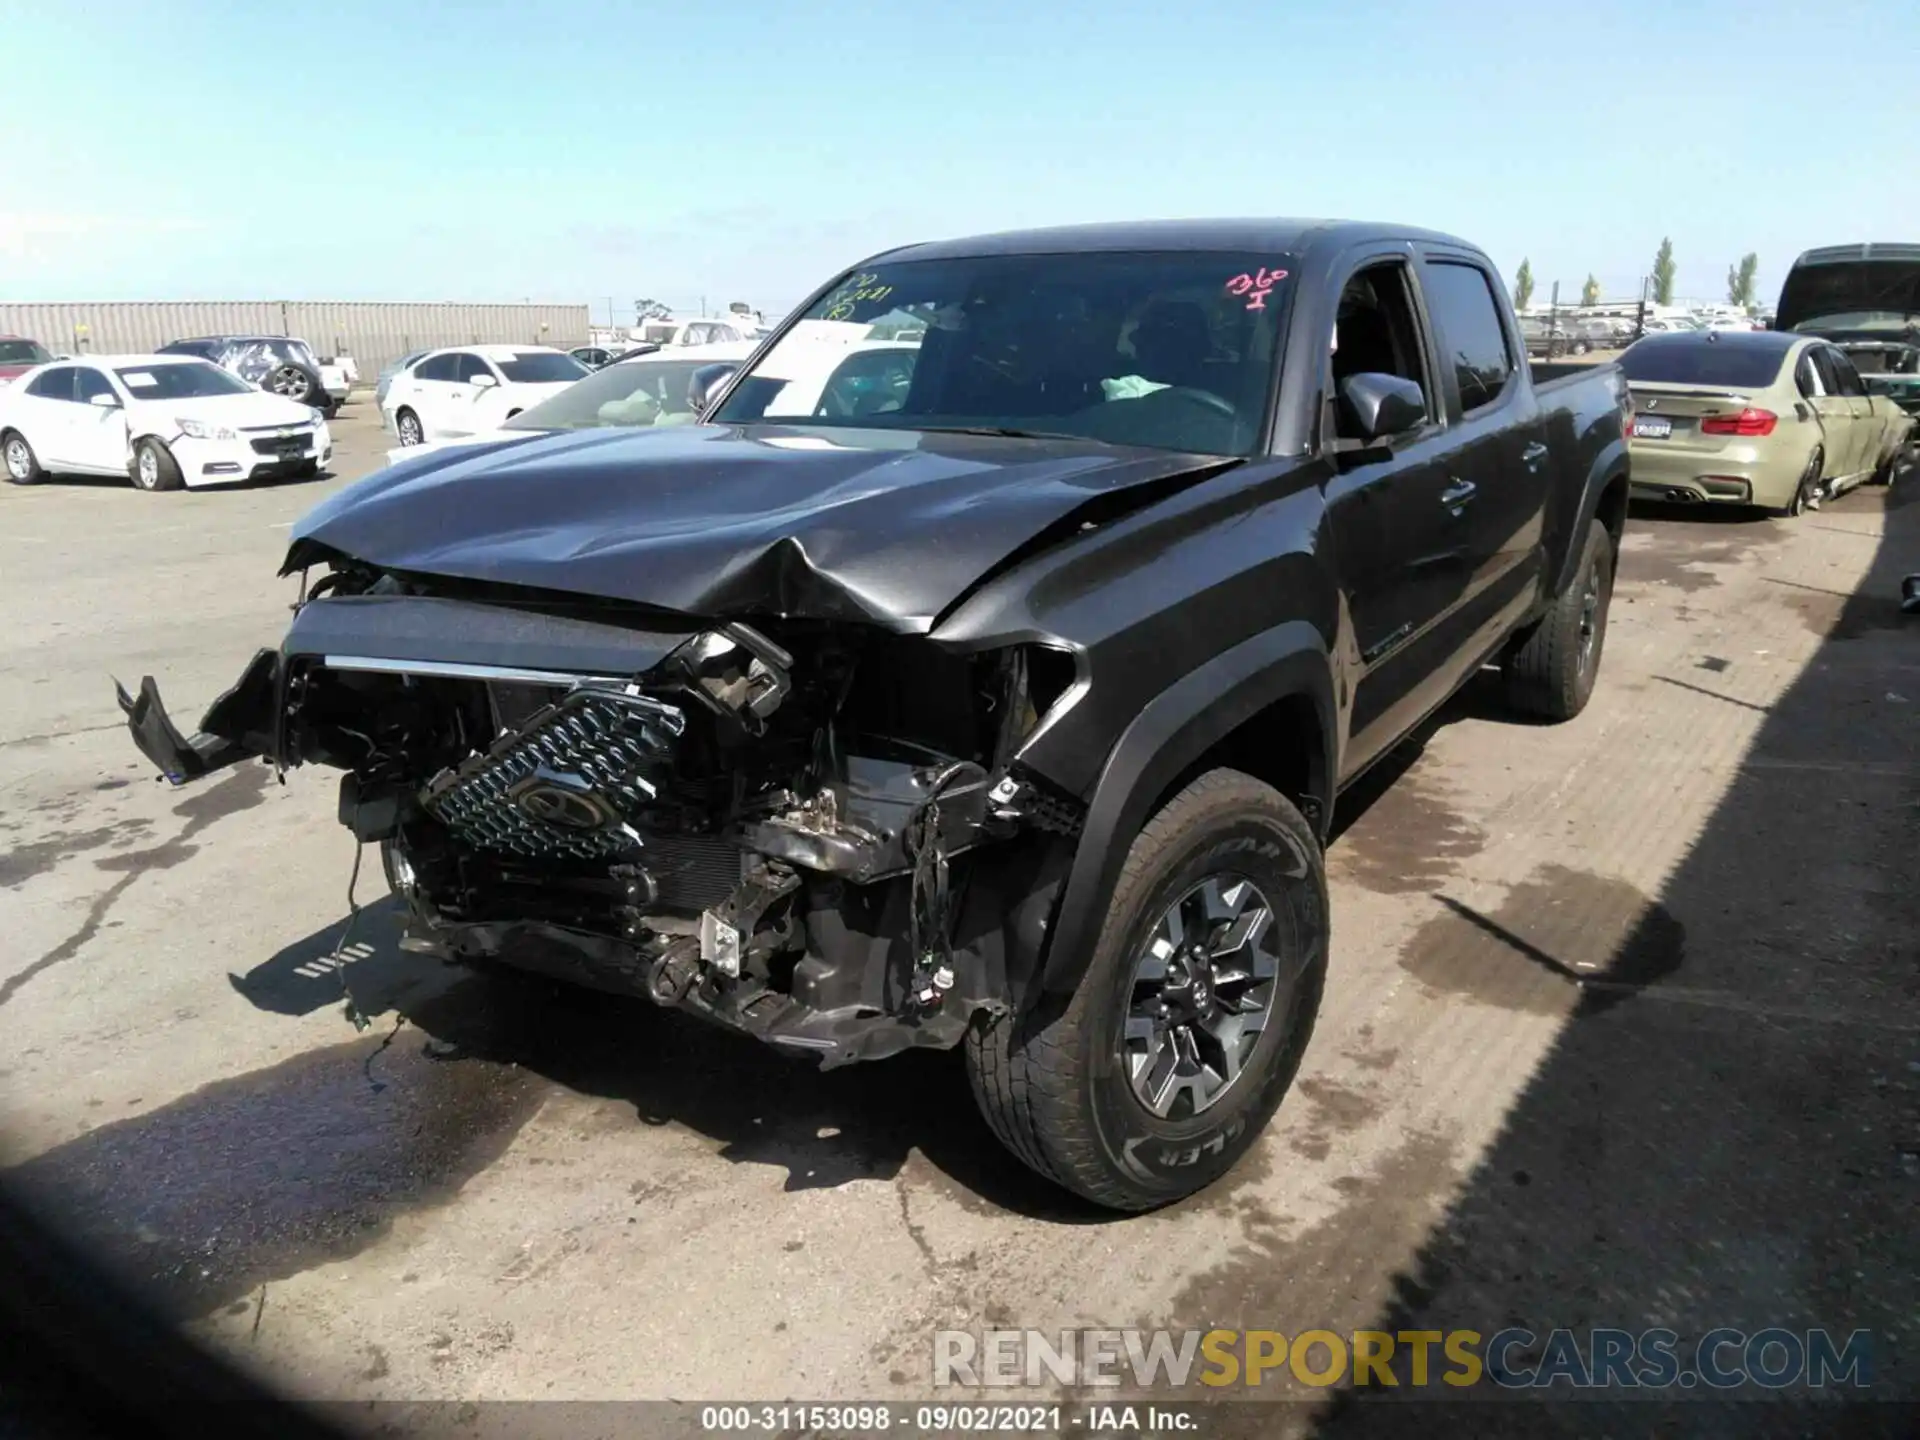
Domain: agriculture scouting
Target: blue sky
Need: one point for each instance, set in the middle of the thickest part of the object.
(480, 150)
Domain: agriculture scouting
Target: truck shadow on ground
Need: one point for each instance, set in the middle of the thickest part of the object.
(201, 1201)
(1738, 1143)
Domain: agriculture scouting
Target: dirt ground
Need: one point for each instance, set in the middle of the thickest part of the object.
(1620, 1030)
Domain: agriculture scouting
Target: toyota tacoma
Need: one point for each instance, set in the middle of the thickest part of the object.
(992, 693)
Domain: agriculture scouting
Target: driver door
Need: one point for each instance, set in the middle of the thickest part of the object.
(1404, 553)
(473, 403)
(99, 431)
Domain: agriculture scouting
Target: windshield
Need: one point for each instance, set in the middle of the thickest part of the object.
(637, 392)
(538, 367)
(1173, 351)
(1696, 360)
(180, 382)
(23, 352)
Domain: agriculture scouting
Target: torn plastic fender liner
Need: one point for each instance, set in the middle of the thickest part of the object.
(242, 723)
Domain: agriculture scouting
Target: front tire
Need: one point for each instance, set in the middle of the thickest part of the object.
(1163, 1067)
(154, 467)
(407, 427)
(1550, 671)
(21, 465)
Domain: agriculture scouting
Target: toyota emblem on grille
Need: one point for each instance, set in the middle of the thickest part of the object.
(564, 800)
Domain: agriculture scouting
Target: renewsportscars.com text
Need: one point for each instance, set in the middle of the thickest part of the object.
(1600, 1358)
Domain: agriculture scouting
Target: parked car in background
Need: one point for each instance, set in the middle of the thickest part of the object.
(280, 364)
(593, 356)
(1866, 300)
(653, 389)
(393, 368)
(1754, 418)
(19, 355)
(473, 388)
(1008, 716)
(1552, 337)
(668, 333)
(163, 421)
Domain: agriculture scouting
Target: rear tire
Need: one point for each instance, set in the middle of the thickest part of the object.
(1807, 488)
(1061, 1085)
(295, 382)
(154, 467)
(21, 465)
(1550, 670)
(407, 428)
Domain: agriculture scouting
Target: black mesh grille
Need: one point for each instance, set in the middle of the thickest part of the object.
(568, 784)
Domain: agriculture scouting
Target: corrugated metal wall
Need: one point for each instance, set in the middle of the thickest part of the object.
(372, 332)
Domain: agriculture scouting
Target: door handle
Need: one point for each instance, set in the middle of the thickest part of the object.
(1458, 493)
(1534, 453)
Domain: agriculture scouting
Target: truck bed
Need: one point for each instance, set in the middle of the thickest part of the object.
(1551, 374)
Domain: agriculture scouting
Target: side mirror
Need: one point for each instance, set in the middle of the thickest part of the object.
(706, 383)
(481, 382)
(105, 402)
(1381, 406)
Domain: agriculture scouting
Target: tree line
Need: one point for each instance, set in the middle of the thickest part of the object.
(1740, 280)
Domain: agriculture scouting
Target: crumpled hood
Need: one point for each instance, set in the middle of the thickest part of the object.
(889, 527)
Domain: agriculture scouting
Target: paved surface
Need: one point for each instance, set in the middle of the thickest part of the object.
(525, 1192)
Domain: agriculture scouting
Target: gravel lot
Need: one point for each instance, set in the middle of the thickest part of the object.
(525, 1192)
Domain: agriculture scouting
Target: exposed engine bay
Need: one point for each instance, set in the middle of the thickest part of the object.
(817, 832)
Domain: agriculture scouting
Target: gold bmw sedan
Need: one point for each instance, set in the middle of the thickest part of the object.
(1757, 417)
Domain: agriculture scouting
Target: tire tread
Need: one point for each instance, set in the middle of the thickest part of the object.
(1027, 1071)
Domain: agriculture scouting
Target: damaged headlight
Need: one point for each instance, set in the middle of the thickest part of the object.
(200, 430)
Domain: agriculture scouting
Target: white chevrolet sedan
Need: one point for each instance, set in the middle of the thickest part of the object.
(161, 420)
(463, 391)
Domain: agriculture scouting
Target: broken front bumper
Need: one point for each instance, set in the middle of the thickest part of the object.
(242, 723)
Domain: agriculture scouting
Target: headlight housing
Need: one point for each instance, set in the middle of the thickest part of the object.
(200, 430)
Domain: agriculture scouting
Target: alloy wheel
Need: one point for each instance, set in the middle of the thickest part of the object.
(1204, 988)
(19, 459)
(289, 381)
(1589, 616)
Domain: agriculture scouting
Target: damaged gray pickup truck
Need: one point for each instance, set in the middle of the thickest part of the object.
(980, 671)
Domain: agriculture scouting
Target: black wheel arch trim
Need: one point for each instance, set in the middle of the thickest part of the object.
(1170, 734)
(1610, 467)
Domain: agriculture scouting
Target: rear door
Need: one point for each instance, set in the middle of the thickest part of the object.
(46, 416)
(436, 393)
(1501, 459)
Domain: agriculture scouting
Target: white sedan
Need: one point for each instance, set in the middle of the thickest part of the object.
(162, 420)
(650, 389)
(449, 394)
